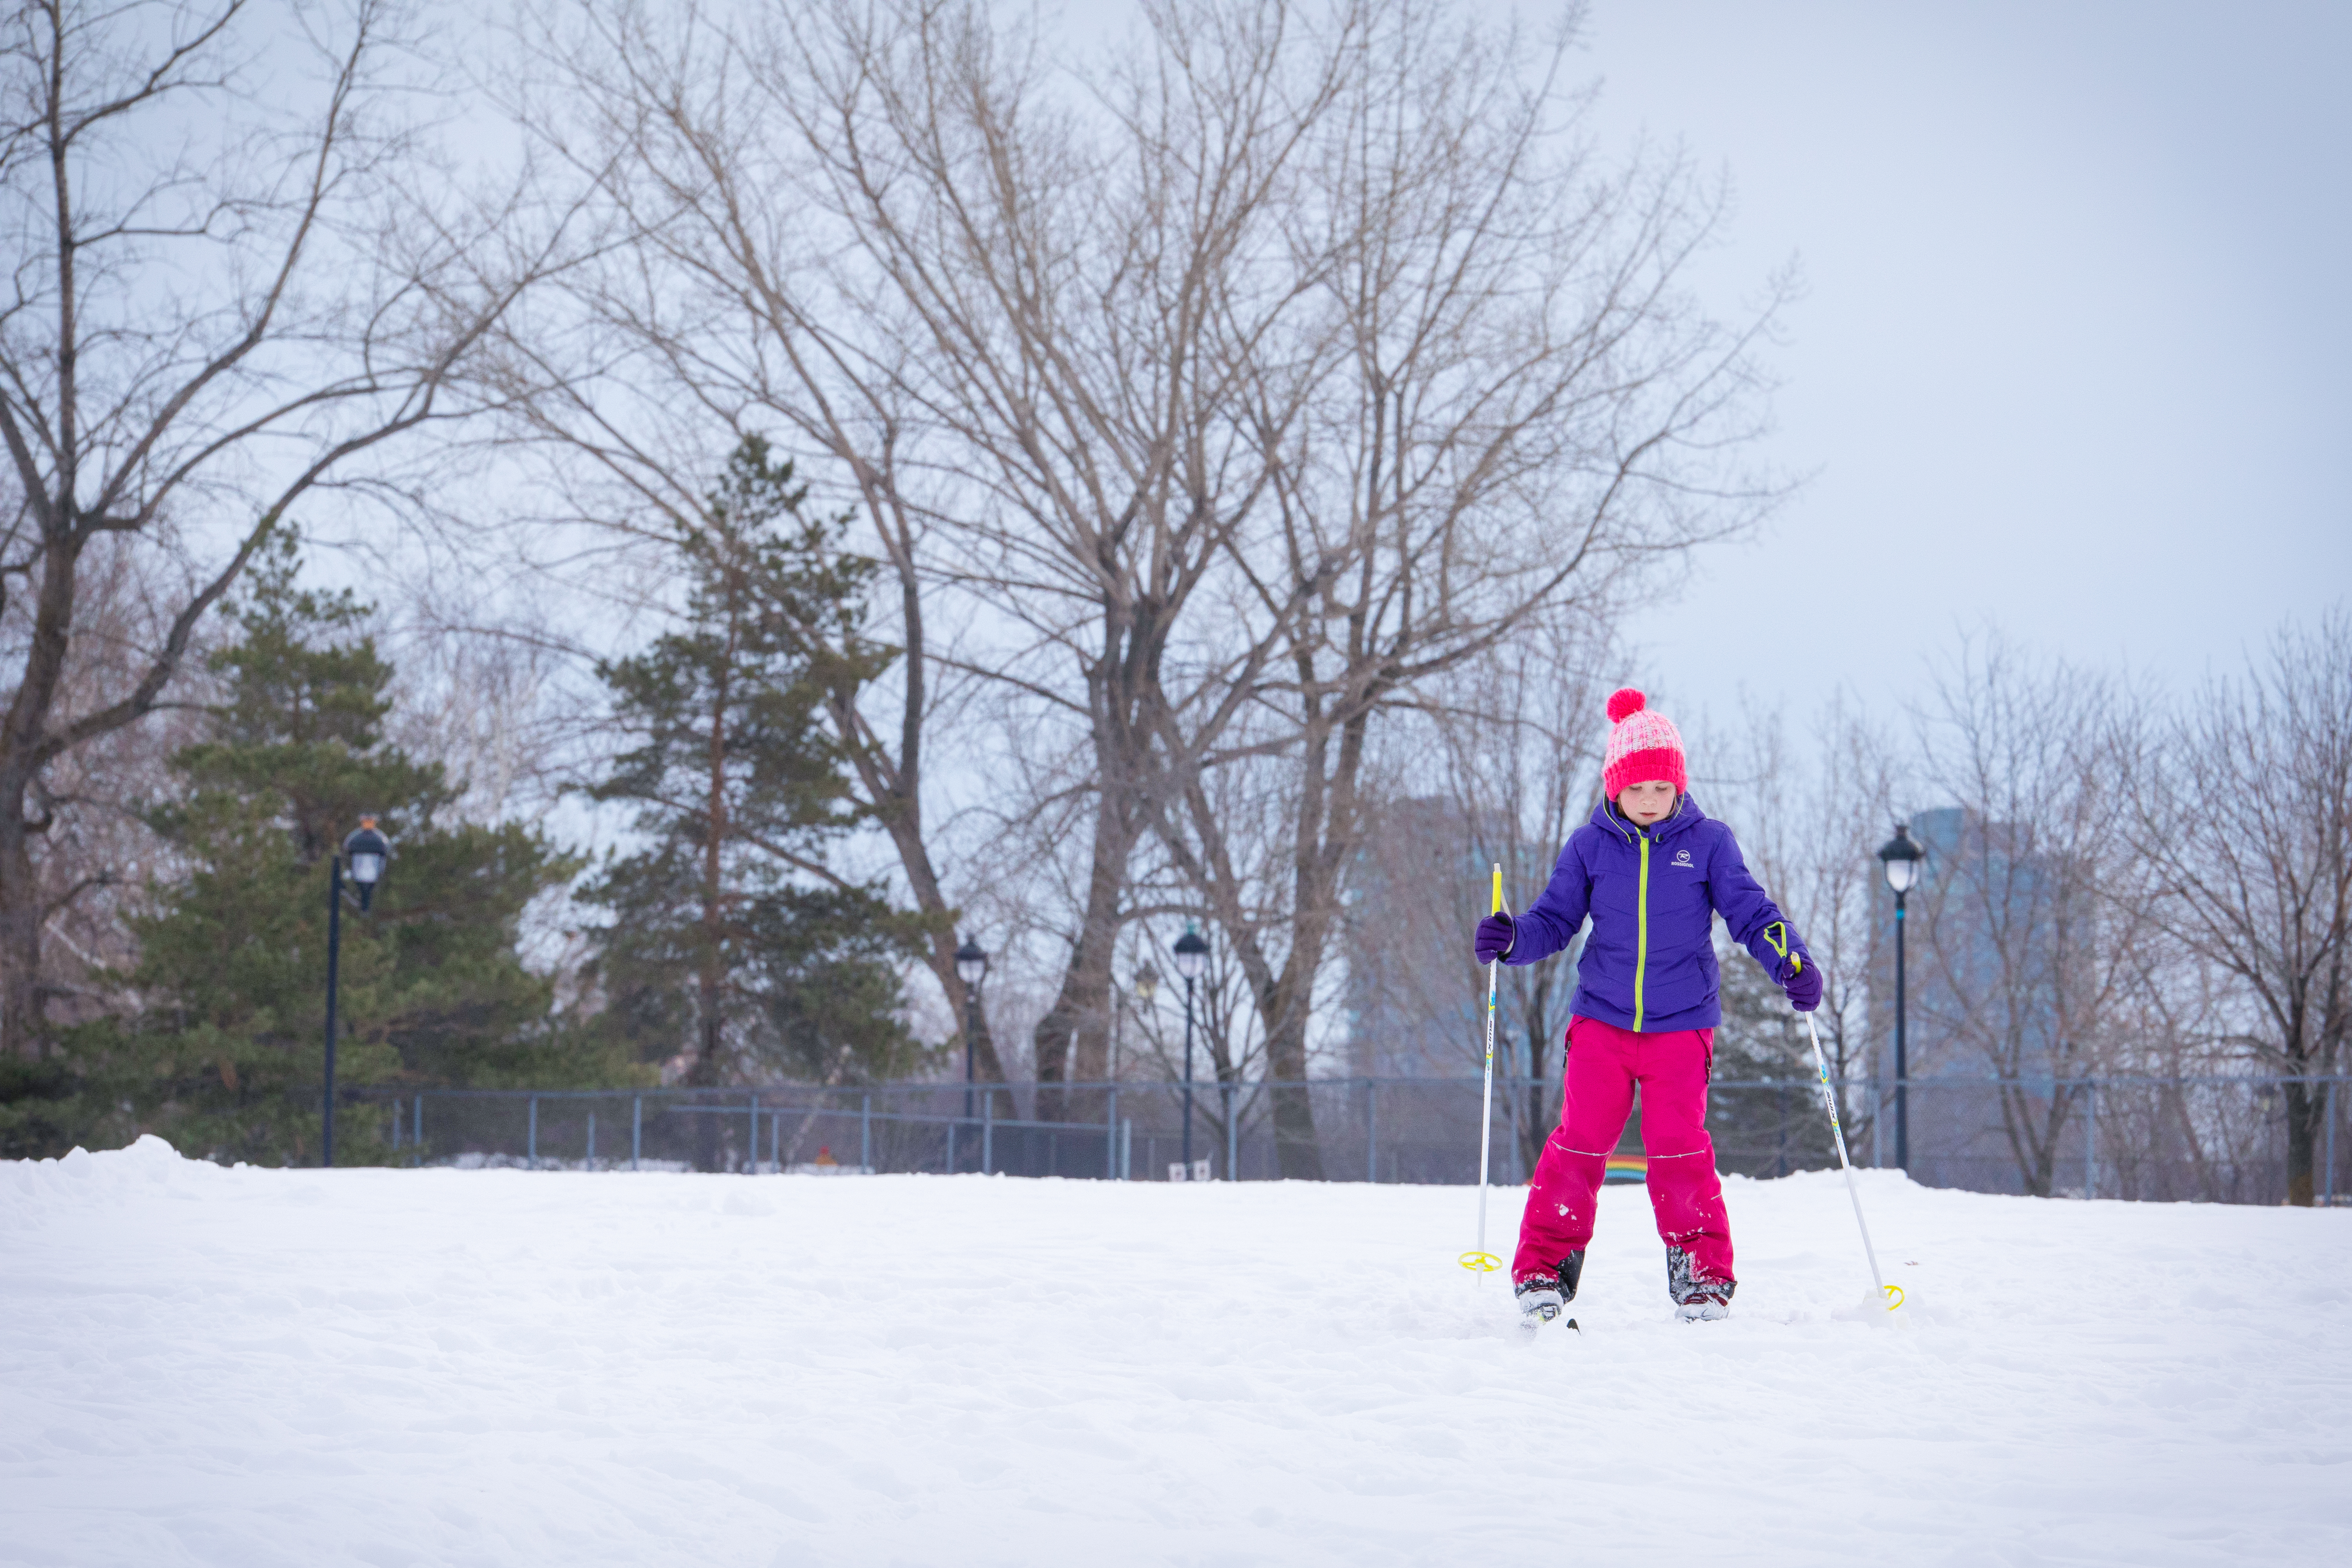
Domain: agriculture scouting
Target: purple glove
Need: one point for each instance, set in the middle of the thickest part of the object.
(1804, 988)
(1495, 938)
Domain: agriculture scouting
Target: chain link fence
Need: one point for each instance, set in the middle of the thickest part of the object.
(2212, 1139)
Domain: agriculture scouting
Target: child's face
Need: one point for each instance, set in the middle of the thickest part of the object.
(1644, 802)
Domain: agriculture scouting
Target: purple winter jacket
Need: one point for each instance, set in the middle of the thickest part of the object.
(1652, 894)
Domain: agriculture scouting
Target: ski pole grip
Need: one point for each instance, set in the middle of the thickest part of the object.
(1498, 890)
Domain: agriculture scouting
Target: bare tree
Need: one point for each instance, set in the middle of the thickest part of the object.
(97, 850)
(222, 294)
(486, 699)
(2031, 959)
(1500, 404)
(990, 289)
(1091, 286)
(1503, 766)
(1213, 382)
(892, 247)
(1809, 815)
(2240, 805)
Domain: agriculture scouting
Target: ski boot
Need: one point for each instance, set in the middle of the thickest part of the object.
(1696, 1300)
(1541, 1299)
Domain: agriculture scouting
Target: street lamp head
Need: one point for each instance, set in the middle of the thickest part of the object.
(971, 962)
(366, 850)
(1191, 951)
(1902, 858)
(1146, 984)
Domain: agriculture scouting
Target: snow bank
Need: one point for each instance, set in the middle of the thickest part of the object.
(260, 1367)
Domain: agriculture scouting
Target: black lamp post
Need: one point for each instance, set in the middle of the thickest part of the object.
(1192, 958)
(971, 964)
(1902, 860)
(367, 850)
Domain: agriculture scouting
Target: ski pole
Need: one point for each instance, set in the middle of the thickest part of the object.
(1482, 1260)
(1829, 1098)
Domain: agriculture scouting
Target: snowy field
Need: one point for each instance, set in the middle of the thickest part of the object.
(386, 1367)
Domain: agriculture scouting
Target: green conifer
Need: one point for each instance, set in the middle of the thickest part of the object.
(219, 1045)
(1763, 1132)
(734, 941)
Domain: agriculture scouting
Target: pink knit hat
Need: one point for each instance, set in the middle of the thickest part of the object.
(1643, 746)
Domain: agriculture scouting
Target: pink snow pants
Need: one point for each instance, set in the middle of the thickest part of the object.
(1605, 1063)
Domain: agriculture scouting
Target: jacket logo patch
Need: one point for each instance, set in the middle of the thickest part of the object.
(1682, 857)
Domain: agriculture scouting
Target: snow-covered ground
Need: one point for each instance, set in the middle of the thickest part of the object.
(263, 1367)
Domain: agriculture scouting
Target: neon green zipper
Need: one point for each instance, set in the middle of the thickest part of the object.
(1642, 954)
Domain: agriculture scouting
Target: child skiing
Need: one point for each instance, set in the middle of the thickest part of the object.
(1652, 871)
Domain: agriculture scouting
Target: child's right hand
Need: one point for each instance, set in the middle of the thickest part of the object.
(1495, 938)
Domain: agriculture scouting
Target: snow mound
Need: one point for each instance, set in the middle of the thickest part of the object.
(147, 1167)
(235, 1366)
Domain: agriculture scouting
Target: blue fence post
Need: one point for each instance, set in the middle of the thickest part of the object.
(417, 1142)
(866, 1133)
(988, 1132)
(1371, 1133)
(637, 1127)
(751, 1150)
(591, 1140)
(531, 1150)
(1110, 1137)
(951, 1132)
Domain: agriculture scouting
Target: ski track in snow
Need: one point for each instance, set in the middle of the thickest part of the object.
(253, 1367)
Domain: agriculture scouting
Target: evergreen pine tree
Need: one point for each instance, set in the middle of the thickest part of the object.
(220, 1045)
(733, 942)
(1763, 1132)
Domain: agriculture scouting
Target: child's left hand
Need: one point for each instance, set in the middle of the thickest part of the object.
(1804, 988)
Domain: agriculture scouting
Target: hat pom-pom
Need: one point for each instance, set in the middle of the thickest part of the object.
(1625, 702)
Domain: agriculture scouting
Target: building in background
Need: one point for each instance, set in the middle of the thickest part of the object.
(1996, 921)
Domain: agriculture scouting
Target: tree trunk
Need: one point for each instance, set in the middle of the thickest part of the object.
(1328, 829)
(25, 748)
(23, 1028)
(710, 979)
(2303, 1131)
(1073, 1039)
(1297, 1153)
(1321, 836)
(893, 785)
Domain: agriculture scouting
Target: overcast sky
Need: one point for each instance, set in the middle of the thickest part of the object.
(2073, 354)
